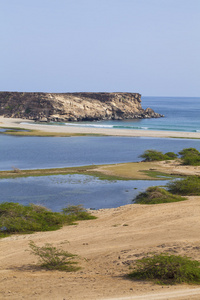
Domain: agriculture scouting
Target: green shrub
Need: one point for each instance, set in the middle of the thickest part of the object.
(190, 151)
(52, 258)
(154, 155)
(16, 218)
(171, 155)
(190, 156)
(156, 195)
(167, 269)
(187, 186)
(77, 212)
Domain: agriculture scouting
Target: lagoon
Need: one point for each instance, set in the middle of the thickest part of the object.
(56, 152)
(57, 192)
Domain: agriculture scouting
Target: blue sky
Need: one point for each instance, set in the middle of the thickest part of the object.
(146, 46)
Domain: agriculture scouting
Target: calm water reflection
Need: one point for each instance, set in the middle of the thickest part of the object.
(48, 152)
(56, 192)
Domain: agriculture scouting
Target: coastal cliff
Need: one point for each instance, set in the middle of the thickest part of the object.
(62, 107)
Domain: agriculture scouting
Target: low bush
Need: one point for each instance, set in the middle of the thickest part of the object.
(52, 258)
(156, 195)
(170, 155)
(190, 156)
(187, 186)
(17, 218)
(167, 269)
(154, 155)
(77, 212)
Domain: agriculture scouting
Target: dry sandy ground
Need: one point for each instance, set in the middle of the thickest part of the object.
(12, 122)
(134, 170)
(106, 248)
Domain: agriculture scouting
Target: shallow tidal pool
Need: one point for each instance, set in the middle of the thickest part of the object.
(57, 192)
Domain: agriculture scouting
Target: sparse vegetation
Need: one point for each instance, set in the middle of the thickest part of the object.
(124, 171)
(190, 156)
(187, 186)
(154, 155)
(16, 218)
(167, 269)
(52, 258)
(40, 133)
(170, 155)
(77, 212)
(156, 195)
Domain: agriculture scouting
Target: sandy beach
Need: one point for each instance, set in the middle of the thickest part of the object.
(27, 124)
(106, 247)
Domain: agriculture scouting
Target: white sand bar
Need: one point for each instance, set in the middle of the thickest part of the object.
(27, 124)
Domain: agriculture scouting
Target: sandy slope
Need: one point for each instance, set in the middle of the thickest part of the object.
(106, 248)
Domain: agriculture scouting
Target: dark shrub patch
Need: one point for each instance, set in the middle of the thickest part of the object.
(77, 212)
(16, 218)
(167, 269)
(187, 186)
(156, 195)
(190, 156)
(154, 155)
(171, 155)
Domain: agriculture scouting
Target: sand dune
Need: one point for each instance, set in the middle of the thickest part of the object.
(106, 247)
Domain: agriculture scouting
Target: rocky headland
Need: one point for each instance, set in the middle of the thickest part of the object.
(62, 107)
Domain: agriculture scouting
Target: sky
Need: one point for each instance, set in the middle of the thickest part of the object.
(150, 47)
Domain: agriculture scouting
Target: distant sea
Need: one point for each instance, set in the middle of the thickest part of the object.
(180, 114)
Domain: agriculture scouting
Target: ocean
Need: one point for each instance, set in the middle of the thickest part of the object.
(180, 114)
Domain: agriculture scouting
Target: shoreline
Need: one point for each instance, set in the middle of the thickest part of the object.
(16, 123)
(108, 245)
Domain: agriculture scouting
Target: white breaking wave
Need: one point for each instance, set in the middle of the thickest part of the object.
(89, 125)
(26, 123)
(114, 126)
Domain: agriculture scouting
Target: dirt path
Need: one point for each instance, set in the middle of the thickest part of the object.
(183, 294)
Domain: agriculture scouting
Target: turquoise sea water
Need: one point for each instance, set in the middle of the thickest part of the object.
(180, 114)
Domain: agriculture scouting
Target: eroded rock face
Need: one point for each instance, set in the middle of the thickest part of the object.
(64, 107)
